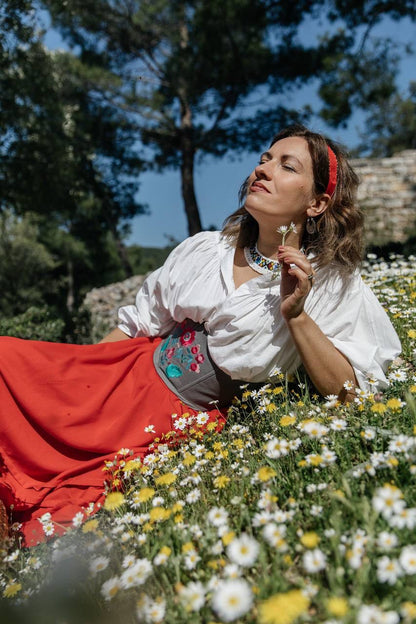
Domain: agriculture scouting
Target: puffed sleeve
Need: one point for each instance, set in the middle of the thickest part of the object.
(171, 293)
(149, 316)
(353, 319)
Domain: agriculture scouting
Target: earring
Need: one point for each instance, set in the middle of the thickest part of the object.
(311, 226)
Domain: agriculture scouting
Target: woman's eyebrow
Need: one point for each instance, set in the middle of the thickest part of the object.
(285, 157)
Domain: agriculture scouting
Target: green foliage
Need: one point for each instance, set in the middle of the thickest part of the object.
(391, 125)
(66, 156)
(145, 259)
(36, 323)
(188, 72)
(26, 265)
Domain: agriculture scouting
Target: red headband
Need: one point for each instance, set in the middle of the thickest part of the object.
(333, 168)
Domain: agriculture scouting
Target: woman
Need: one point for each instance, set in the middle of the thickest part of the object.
(277, 288)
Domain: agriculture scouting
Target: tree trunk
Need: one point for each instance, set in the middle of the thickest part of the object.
(70, 293)
(187, 149)
(122, 252)
(188, 189)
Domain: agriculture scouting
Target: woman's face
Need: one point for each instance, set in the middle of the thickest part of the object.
(280, 189)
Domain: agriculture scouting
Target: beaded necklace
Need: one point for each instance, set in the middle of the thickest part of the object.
(259, 263)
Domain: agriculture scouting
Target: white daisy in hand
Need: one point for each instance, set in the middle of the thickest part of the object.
(284, 230)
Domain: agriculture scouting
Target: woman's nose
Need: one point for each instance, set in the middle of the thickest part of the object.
(263, 170)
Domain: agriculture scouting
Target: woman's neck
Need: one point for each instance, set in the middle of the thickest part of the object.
(268, 242)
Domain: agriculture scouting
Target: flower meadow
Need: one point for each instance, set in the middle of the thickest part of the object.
(300, 509)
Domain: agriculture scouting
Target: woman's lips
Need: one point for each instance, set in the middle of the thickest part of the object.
(257, 187)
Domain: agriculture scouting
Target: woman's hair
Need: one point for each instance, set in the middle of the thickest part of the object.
(339, 229)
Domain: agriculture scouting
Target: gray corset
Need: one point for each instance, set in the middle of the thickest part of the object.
(183, 362)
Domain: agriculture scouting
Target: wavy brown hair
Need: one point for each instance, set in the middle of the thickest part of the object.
(339, 230)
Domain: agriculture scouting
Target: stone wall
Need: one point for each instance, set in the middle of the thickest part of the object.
(387, 193)
(103, 304)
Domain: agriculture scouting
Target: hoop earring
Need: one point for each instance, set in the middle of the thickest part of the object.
(311, 226)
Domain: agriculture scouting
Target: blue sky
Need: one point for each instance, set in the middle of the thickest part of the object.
(217, 181)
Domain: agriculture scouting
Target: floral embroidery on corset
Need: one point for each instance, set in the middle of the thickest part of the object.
(179, 351)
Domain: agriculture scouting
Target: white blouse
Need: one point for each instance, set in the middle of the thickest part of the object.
(247, 336)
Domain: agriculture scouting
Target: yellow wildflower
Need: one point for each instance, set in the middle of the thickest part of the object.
(265, 473)
(178, 518)
(90, 526)
(285, 421)
(114, 500)
(143, 495)
(409, 610)
(165, 550)
(188, 547)
(166, 479)
(378, 408)
(278, 390)
(213, 564)
(412, 333)
(222, 481)
(177, 507)
(392, 461)
(315, 459)
(394, 404)
(238, 443)
(310, 539)
(211, 426)
(209, 455)
(158, 514)
(189, 459)
(148, 527)
(412, 389)
(337, 606)
(132, 464)
(288, 560)
(270, 407)
(11, 590)
(283, 608)
(228, 537)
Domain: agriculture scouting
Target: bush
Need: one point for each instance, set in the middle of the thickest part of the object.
(37, 323)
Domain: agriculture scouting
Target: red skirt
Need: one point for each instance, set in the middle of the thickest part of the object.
(65, 410)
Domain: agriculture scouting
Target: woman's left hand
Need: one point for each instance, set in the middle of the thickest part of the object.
(296, 281)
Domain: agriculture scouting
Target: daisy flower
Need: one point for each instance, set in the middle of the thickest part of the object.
(408, 559)
(192, 596)
(97, 564)
(388, 570)
(232, 599)
(387, 541)
(136, 574)
(243, 550)
(110, 588)
(217, 516)
(314, 560)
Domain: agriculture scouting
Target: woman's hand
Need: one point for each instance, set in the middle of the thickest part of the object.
(296, 281)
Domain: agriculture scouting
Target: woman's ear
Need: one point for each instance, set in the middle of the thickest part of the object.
(318, 205)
